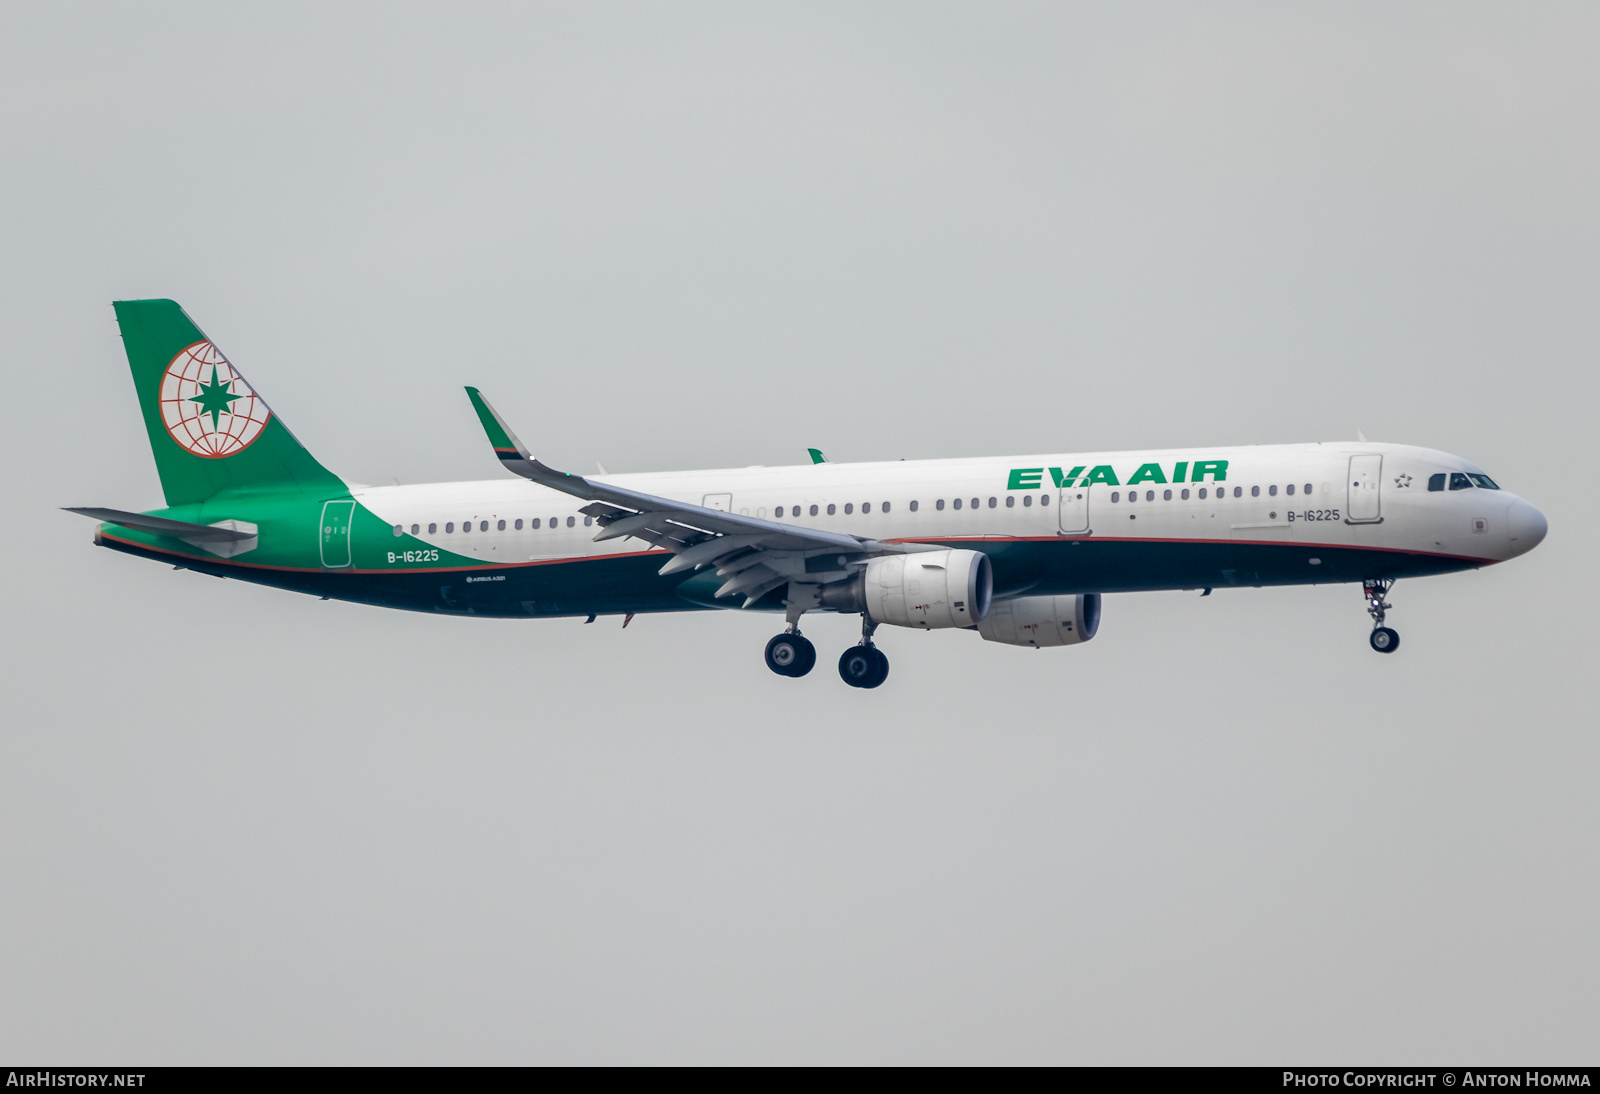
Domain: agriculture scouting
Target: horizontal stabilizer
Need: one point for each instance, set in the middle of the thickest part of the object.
(161, 526)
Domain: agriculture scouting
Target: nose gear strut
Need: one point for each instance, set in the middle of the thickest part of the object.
(1384, 639)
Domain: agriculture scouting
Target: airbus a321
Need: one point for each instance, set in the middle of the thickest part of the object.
(1019, 549)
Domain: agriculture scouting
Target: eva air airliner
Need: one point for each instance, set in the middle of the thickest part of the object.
(1019, 549)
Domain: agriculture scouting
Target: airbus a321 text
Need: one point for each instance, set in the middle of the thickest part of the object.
(1019, 549)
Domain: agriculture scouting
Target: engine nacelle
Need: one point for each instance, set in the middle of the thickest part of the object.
(929, 590)
(1041, 621)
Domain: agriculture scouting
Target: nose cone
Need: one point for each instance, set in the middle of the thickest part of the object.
(1525, 527)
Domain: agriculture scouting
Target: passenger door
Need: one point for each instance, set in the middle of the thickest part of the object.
(1365, 484)
(722, 503)
(1072, 509)
(336, 533)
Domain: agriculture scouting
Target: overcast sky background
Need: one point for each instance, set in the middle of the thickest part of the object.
(241, 825)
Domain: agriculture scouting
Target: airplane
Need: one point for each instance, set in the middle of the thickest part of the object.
(1020, 549)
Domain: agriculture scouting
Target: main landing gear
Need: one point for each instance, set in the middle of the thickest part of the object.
(862, 665)
(791, 654)
(1384, 639)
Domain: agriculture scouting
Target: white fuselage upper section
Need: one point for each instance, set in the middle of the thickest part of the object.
(1351, 494)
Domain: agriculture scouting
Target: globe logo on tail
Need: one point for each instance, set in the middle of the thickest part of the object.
(207, 406)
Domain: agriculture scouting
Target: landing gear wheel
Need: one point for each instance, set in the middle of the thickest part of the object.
(1385, 640)
(863, 667)
(790, 655)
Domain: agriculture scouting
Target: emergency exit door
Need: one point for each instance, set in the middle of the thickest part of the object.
(1073, 510)
(1363, 504)
(336, 533)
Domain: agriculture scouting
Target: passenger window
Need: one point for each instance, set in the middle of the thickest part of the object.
(884, 507)
(534, 523)
(866, 507)
(1185, 493)
(1255, 491)
(975, 502)
(449, 527)
(1289, 489)
(795, 512)
(1115, 496)
(1011, 501)
(588, 521)
(831, 509)
(993, 502)
(433, 529)
(1238, 491)
(571, 521)
(1202, 493)
(483, 525)
(555, 522)
(913, 506)
(1436, 482)
(1308, 488)
(939, 505)
(849, 507)
(1166, 495)
(1027, 500)
(813, 510)
(466, 526)
(1044, 499)
(501, 526)
(399, 531)
(1458, 481)
(1149, 495)
(777, 514)
(1272, 491)
(956, 503)
(518, 525)
(1483, 481)
(413, 529)
(1133, 496)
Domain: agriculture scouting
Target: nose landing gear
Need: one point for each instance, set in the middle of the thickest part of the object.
(1384, 639)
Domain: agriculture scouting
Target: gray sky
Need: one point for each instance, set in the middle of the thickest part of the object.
(241, 825)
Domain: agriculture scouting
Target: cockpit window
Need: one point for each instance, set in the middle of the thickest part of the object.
(1483, 482)
(1458, 481)
(1436, 482)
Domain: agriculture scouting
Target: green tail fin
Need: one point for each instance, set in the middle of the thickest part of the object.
(209, 430)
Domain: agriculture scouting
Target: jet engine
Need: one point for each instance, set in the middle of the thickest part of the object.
(927, 590)
(1041, 621)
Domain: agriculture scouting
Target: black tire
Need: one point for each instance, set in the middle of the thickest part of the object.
(790, 655)
(808, 656)
(858, 667)
(1385, 640)
(880, 672)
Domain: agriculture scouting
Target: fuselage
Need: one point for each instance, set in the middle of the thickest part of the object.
(1050, 523)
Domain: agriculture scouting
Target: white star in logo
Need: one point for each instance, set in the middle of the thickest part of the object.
(1402, 480)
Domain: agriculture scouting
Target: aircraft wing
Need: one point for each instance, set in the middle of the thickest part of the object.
(755, 555)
